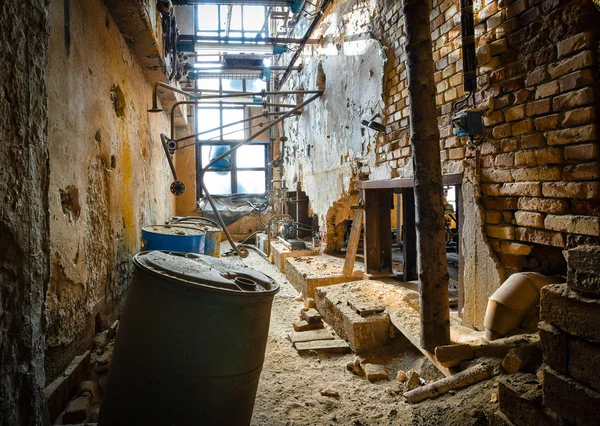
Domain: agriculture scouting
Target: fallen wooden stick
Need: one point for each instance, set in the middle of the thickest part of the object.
(460, 380)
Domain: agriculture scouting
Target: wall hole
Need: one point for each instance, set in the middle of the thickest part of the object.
(69, 200)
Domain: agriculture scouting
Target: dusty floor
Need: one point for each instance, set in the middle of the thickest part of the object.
(290, 385)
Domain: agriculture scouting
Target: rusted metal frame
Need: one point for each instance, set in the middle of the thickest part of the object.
(242, 251)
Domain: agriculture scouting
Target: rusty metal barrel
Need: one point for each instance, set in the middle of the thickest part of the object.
(191, 343)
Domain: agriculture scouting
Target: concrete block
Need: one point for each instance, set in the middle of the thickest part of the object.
(362, 333)
(583, 270)
(332, 346)
(308, 273)
(302, 325)
(555, 346)
(520, 399)
(584, 362)
(311, 316)
(280, 253)
(570, 399)
(571, 312)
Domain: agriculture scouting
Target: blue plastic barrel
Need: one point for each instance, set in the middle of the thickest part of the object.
(181, 238)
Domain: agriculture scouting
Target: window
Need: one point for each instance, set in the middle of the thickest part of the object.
(244, 171)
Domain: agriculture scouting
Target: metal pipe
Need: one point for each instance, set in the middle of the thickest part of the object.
(243, 252)
(155, 107)
(269, 40)
(232, 95)
(305, 40)
(270, 224)
(163, 139)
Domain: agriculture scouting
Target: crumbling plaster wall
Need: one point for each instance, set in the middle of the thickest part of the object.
(24, 233)
(328, 146)
(108, 174)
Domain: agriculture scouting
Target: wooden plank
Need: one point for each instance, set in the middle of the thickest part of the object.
(311, 316)
(309, 336)
(353, 241)
(332, 346)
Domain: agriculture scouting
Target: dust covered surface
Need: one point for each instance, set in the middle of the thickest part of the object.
(289, 391)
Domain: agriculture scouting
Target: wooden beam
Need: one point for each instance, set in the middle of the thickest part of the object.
(449, 179)
(353, 241)
(425, 139)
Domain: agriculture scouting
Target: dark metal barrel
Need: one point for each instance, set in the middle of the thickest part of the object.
(191, 343)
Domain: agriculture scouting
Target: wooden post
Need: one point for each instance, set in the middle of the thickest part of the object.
(409, 244)
(378, 235)
(425, 139)
(353, 240)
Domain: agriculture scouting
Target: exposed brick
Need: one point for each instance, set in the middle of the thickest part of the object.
(582, 60)
(547, 122)
(563, 395)
(495, 175)
(552, 155)
(588, 190)
(584, 225)
(585, 151)
(555, 343)
(505, 160)
(583, 171)
(571, 135)
(456, 153)
(571, 312)
(532, 141)
(525, 158)
(522, 96)
(502, 131)
(538, 107)
(492, 119)
(516, 8)
(540, 236)
(573, 99)
(487, 11)
(493, 217)
(584, 362)
(528, 189)
(548, 89)
(536, 77)
(586, 207)
(498, 47)
(522, 127)
(500, 203)
(576, 80)
(515, 113)
(501, 232)
(573, 44)
(543, 173)
(577, 117)
(512, 261)
(529, 219)
(583, 264)
(511, 247)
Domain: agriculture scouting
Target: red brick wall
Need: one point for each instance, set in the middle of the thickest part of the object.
(538, 87)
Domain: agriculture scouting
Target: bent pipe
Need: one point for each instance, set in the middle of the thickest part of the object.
(275, 217)
(241, 251)
(512, 301)
(155, 107)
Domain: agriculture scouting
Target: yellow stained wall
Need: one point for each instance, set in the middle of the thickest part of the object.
(108, 174)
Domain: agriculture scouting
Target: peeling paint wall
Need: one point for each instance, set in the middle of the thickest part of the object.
(328, 144)
(108, 173)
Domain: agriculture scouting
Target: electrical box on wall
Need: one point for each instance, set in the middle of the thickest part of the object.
(467, 123)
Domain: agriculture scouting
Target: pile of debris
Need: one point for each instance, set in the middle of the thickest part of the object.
(74, 397)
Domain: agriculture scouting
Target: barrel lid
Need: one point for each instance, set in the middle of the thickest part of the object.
(206, 271)
(175, 230)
